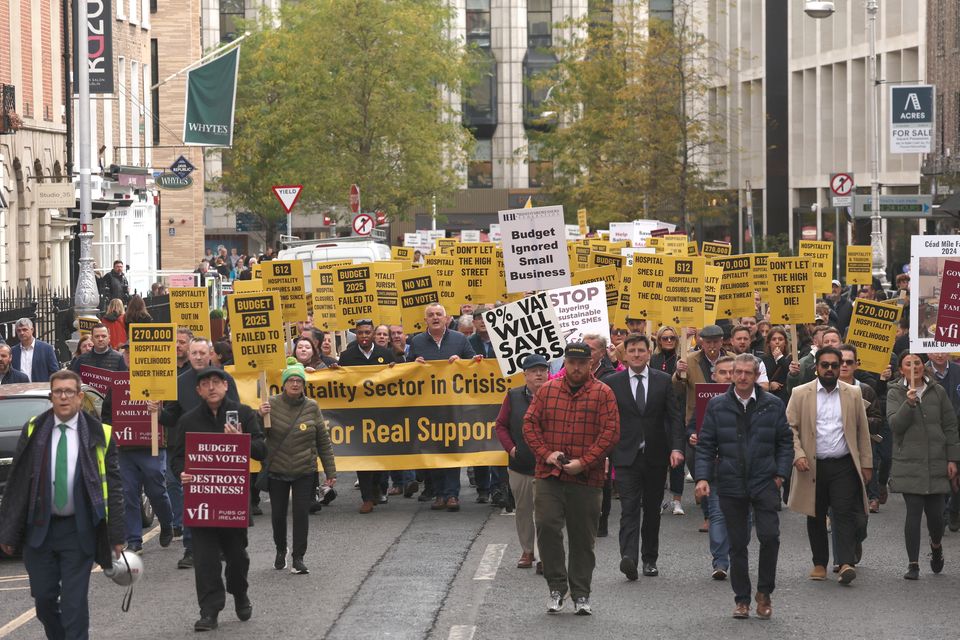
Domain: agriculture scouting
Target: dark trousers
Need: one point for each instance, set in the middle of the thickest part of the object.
(369, 485)
(446, 482)
(280, 490)
(641, 490)
(838, 488)
(557, 504)
(59, 581)
(736, 513)
(917, 505)
(208, 543)
(140, 469)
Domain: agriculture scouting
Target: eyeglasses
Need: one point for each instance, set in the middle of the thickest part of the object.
(828, 365)
(64, 393)
(849, 363)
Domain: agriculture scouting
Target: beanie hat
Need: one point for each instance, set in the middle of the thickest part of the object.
(294, 368)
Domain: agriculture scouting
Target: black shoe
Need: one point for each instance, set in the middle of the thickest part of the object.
(498, 499)
(186, 562)
(316, 507)
(329, 497)
(650, 569)
(483, 497)
(178, 532)
(913, 572)
(602, 529)
(166, 536)
(244, 608)
(411, 489)
(936, 559)
(135, 547)
(280, 562)
(298, 567)
(426, 496)
(629, 568)
(953, 520)
(256, 510)
(207, 622)
(250, 522)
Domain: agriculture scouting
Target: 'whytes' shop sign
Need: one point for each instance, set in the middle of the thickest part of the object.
(534, 249)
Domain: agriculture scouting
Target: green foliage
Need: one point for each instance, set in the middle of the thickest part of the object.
(347, 91)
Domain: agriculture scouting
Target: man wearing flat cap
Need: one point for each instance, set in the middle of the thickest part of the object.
(697, 368)
(571, 425)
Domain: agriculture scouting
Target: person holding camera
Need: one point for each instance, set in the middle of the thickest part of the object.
(217, 414)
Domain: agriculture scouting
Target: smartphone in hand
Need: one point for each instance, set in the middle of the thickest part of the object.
(233, 419)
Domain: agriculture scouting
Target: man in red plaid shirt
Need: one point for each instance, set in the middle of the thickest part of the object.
(571, 426)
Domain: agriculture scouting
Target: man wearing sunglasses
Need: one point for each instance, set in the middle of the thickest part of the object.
(833, 462)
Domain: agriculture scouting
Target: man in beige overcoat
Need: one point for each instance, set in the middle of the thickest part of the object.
(833, 462)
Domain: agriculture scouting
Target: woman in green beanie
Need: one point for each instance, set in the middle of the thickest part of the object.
(296, 438)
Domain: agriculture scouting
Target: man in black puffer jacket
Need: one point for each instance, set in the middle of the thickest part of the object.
(744, 453)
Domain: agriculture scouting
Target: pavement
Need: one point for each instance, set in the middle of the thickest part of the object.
(405, 572)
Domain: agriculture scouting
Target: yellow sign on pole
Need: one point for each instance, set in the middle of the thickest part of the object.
(603, 259)
(445, 245)
(791, 296)
(476, 271)
(286, 278)
(736, 295)
(355, 295)
(388, 300)
(257, 325)
(85, 324)
(675, 244)
(608, 246)
(582, 221)
(451, 291)
(712, 277)
(153, 362)
(859, 264)
(190, 308)
(683, 291)
(324, 301)
(579, 255)
(716, 249)
(873, 330)
(402, 253)
(247, 286)
(609, 276)
(641, 290)
(417, 289)
(761, 274)
(820, 253)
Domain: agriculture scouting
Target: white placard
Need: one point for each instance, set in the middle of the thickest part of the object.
(620, 231)
(494, 234)
(522, 328)
(534, 249)
(927, 255)
(470, 235)
(573, 232)
(581, 310)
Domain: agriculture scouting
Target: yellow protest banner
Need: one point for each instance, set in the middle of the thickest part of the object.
(608, 275)
(791, 295)
(712, 278)
(324, 300)
(451, 290)
(683, 291)
(404, 254)
(859, 264)
(476, 272)
(761, 274)
(582, 221)
(388, 300)
(85, 324)
(820, 253)
(719, 249)
(417, 289)
(736, 295)
(286, 278)
(153, 361)
(257, 325)
(675, 244)
(873, 330)
(247, 286)
(579, 255)
(641, 290)
(355, 294)
(190, 308)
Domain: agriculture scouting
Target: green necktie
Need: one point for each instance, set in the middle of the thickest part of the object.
(60, 479)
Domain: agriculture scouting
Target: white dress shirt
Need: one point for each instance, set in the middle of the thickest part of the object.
(634, 380)
(26, 358)
(746, 401)
(830, 439)
(73, 448)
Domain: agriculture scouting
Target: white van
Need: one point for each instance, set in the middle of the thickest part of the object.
(315, 252)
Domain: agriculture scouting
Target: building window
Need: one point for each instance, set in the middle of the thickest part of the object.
(478, 22)
(480, 99)
(231, 13)
(538, 169)
(480, 171)
(539, 24)
(535, 92)
(662, 9)
(600, 12)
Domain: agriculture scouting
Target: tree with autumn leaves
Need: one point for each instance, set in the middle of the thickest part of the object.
(633, 137)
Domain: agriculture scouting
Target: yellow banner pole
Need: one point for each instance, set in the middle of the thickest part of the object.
(263, 397)
(154, 434)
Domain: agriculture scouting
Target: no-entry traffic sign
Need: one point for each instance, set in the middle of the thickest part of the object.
(363, 224)
(841, 189)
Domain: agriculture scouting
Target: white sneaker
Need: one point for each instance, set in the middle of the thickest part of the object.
(666, 505)
(581, 607)
(555, 603)
(678, 509)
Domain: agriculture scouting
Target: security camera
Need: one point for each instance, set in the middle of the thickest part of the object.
(819, 8)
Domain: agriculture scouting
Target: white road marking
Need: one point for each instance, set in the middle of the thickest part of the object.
(14, 588)
(490, 562)
(461, 632)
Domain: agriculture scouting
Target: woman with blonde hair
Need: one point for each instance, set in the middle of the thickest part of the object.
(115, 321)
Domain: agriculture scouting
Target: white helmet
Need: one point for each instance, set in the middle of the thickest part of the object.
(126, 569)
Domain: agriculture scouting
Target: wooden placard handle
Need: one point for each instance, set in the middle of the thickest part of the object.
(264, 396)
(682, 345)
(793, 343)
(154, 434)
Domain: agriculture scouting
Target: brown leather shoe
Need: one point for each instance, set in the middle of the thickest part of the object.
(439, 504)
(847, 574)
(742, 611)
(764, 608)
(819, 573)
(366, 507)
(874, 506)
(525, 561)
(394, 491)
(453, 504)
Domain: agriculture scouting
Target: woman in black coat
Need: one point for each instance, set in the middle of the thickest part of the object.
(777, 361)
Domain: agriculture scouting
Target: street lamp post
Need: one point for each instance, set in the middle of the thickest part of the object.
(86, 299)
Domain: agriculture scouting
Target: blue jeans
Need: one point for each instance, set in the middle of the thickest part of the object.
(719, 544)
(446, 482)
(401, 479)
(677, 476)
(489, 478)
(139, 468)
(175, 491)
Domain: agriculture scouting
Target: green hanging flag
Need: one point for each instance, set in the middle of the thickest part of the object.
(211, 98)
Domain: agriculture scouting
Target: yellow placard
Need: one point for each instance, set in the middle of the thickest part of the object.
(712, 277)
(257, 271)
(388, 300)
(506, 296)
(716, 249)
(477, 272)
(692, 248)
(257, 324)
(820, 253)
(324, 301)
(582, 221)
(736, 295)
(404, 254)
(247, 286)
(190, 308)
(761, 274)
(604, 259)
(444, 245)
(641, 290)
(153, 361)
(655, 243)
(675, 244)
(579, 255)
(286, 278)
(417, 289)
(610, 276)
(791, 295)
(859, 265)
(451, 290)
(873, 330)
(607, 246)
(85, 324)
(683, 291)
(355, 294)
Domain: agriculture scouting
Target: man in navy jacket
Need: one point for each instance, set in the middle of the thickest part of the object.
(35, 358)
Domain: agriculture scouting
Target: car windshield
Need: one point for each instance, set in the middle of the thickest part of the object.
(14, 411)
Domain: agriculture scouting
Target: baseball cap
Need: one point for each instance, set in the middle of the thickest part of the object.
(206, 372)
(577, 350)
(535, 360)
